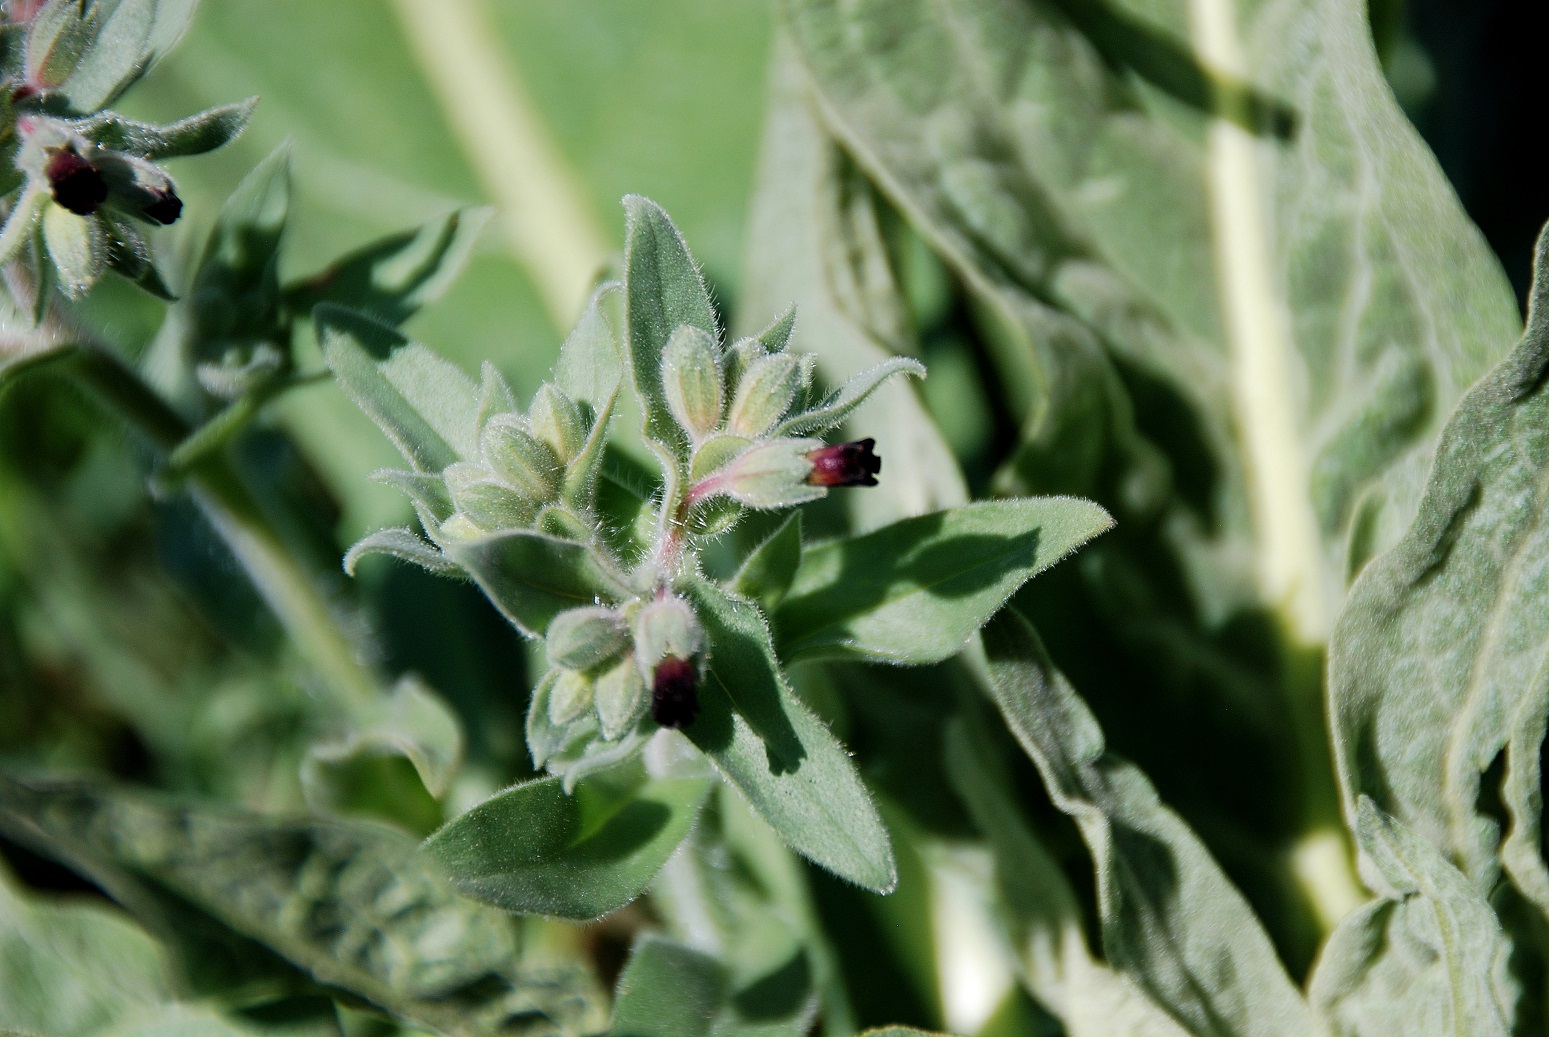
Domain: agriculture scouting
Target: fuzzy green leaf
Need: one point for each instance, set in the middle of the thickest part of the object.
(844, 400)
(590, 368)
(538, 850)
(790, 768)
(412, 721)
(767, 573)
(1429, 958)
(133, 34)
(351, 905)
(390, 280)
(78, 247)
(668, 990)
(914, 592)
(1171, 920)
(662, 290)
(204, 132)
(532, 577)
(1437, 666)
(403, 544)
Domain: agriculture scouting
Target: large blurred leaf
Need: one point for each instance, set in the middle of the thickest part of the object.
(1437, 666)
(1429, 958)
(916, 590)
(1171, 920)
(792, 770)
(348, 904)
(537, 849)
(1282, 252)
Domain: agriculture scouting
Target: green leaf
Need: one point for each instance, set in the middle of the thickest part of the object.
(412, 721)
(424, 404)
(404, 544)
(914, 592)
(532, 577)
(133, 35)
(391, 279)
(662, 290)
(1429, 958)
(590, 368)
(20, 221)
(668, 990)
(204, 132)
(1171, 920)
(350, 904)
(1171, 186)
(844, 400)
(73, 966)
(787, 764)
(57, 38)
(538, 850)
(1436, 666)
(236, 289)
(1042, 915)
(767, 573)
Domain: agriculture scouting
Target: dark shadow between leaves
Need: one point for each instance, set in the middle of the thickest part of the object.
(1128, 45)
(778, 994)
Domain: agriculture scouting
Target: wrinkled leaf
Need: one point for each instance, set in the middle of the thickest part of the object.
(915, 591)
(537, 850)
(1438, 664)
(791, 769)
(1428, 958)
(1171, 920)
(348, 903)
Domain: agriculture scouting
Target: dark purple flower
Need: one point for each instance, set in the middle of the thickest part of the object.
(674, 702)
(845, 464)
(166, 208)
(76, 184)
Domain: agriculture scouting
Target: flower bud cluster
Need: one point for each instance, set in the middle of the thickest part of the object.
(533, 472)
(610, 668)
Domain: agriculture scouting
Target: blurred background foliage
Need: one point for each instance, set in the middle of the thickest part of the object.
(130, 644)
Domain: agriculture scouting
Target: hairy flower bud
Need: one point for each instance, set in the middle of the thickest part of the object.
(764, 393)
(488, 502)
(522, 461)
(165, 207)
(75, 183)
(620, 698)
(845, 464)
(691, 380)
(557, 420)
(674, 695)
(585, 637)
(666, 626)
(773, 474)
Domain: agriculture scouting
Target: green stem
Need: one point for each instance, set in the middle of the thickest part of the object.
(291, 593)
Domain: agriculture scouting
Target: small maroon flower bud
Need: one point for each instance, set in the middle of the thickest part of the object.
(674, 702)
(76, 184)
(845, 464)
(166, 208)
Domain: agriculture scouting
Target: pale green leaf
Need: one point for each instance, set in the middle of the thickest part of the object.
(21, 220)
(78, 248)
(1225, 196)
(536, 849)
(1428, 959)
(839, 405)
(590, 368)
(1438, 664)
(662, 290)
(787, 764)
(403, 544)
(350, 904)
(532, 577)
(411, 721)
(206, 131)
(915, 591)
(1171, 920)
(668, 990)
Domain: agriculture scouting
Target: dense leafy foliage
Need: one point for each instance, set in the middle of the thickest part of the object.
(1085, 575)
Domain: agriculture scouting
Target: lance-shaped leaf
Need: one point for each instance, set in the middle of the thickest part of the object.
(1440, 661)
(532, 577)
(1175, 185)
(236, 289)
(424, 404)
(133, 35)
(405, 545)
(790, 768)
(206, 131)
(391, 279)
(1428, 958)
(590, 368)
(843, 401)
(538, 850)
(913, 592)
(351, 905)
(412, 721)
(662, 290)
(1171, 920)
